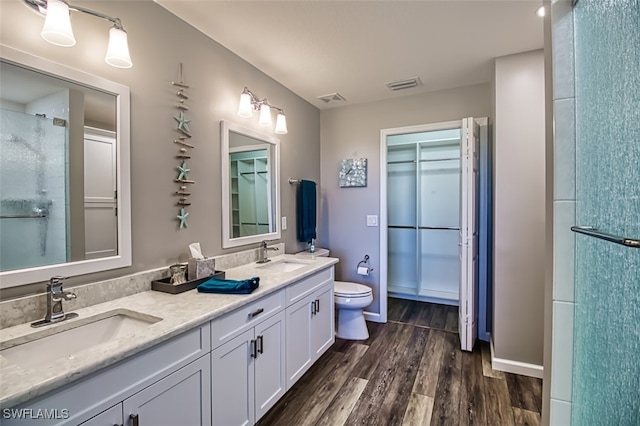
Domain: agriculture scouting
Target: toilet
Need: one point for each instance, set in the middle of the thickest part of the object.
(350, 299)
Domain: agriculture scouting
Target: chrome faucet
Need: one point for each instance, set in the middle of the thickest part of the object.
(55, 296)
(262, 254)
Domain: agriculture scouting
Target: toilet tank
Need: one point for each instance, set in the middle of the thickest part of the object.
(320, 252)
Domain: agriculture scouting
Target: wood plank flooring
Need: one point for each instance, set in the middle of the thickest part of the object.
(409, 372)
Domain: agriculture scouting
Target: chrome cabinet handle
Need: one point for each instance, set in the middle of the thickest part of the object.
(313, 307)
(260, 344)
(135, 420)
(317, 303)
(256, 312)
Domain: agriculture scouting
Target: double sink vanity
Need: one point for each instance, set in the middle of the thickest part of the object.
(158, 359)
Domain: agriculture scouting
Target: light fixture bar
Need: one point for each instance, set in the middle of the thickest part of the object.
(249, 102)
(118, 49)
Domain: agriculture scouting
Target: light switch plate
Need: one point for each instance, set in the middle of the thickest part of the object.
(283, 223)
(372, 220)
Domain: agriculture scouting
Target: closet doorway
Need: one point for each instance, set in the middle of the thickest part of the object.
(429, 217)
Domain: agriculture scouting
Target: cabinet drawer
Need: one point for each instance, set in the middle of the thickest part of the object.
(232, 324)
(306, 286)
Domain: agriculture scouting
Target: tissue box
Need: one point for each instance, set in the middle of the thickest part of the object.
(201, 268)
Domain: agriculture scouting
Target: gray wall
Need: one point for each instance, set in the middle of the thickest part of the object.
(158, 42)
(519, 208)
(354, 131)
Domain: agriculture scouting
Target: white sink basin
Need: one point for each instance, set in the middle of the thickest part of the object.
(285, 265)
(65, 339)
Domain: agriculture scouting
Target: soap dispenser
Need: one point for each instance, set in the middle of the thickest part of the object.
(312, 246)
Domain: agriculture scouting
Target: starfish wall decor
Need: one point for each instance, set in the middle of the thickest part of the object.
(183, 134)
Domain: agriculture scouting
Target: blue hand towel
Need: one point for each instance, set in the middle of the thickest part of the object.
(216, 285)
(306, 211)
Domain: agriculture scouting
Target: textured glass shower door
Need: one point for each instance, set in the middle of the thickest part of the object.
(33, 191)
(606, 359)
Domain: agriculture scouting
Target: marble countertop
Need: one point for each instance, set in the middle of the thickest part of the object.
(179, 313)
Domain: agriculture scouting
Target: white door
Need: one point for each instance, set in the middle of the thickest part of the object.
(182, 398)
(298, 339)
(469, 169)
(323, 333)
(270, 377)
(100, 198)
(232, 379)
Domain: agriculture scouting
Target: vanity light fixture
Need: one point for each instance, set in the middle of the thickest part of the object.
(541, 11)
(250, 102)
(57, 29)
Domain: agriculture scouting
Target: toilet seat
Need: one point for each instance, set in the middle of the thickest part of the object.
(351, 290)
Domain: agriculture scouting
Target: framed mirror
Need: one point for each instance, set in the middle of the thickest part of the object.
(250, 177)
(64, 171)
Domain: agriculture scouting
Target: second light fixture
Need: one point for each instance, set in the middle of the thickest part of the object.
(250, 102)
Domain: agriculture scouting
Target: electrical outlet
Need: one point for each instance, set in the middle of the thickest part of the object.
(372, 220)
(283, 223)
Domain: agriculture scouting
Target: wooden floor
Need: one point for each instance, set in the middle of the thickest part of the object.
(409, 372)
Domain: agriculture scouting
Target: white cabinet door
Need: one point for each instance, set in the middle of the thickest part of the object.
(110, 417)
(310, 331)
(298, 339)
(182, 398)
(232, 381)
(270, 377)
(322, 322)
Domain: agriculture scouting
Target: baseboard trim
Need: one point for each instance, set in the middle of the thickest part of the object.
(372, 316)
(515, 367)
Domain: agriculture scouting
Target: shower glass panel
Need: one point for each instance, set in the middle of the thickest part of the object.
(33, 218)
(606, 366)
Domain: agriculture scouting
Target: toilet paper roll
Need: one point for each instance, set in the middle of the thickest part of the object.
(363, 270)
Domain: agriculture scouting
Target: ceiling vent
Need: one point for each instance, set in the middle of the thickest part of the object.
(332, 97)
(404, 84)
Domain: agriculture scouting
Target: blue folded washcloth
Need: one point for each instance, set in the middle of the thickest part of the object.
(216, 285)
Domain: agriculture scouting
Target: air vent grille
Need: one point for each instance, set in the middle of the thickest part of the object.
(404, 84)
(332, 97)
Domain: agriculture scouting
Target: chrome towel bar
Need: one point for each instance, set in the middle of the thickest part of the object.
(593, 232)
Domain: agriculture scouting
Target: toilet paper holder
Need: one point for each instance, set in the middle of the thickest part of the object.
(363, 267)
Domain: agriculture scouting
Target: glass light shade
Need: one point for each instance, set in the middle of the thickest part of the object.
(57, 24)
(265, 116)
(118, 50)
(541, 11)
(281, 124)
(245, 109)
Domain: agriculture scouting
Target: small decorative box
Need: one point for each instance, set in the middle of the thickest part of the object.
(165, 286)
(201, 268)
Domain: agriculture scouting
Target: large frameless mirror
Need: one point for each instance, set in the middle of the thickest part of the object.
(64, 171)
(250, 176)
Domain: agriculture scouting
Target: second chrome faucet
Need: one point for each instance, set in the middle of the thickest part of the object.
(262, 253)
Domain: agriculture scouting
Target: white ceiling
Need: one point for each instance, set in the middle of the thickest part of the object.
(354, 47)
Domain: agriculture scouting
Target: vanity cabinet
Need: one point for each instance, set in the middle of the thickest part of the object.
(248, 373)
(227, 372)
